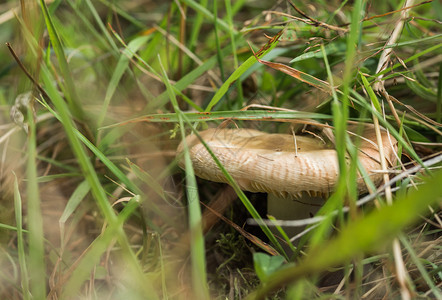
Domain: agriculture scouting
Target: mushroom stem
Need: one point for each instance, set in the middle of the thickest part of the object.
(293, 209)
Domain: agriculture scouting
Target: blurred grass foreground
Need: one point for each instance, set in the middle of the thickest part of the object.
(95, 97)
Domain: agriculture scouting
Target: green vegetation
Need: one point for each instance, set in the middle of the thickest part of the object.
(95, 97)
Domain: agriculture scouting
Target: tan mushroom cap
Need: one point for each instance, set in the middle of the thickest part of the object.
(263, 162)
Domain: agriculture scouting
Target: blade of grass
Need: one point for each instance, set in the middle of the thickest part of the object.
(219, 54)
(181, 84)
(151, 50)
(114, 6)
(340, 110)
(345, 187)
(439, 96)
(79, 12)
(411, 58)
(185, 81)
(111, 137)
(229, 17)
(329, 49)
(420, 90)
(9, 227)
(205, 12)
(37, 265)
(106, 161)
(100, 24)
(148, 179)
(57, 164)
(196, 26)
(73, 100)
(262, 115)
(119, 70)
(401, 271)
(81, 269)
(241, 69)
(361, 236)
(301, 76)
(21, 242)
(370, 92)
(237, 5)
(420, 267)
(53, 6)
(283, 234)
(198, 255)
(357, 98)
(91, 176)
(334, 202)
(332, 15)
(72, 204)
(48, 178)
(156, 188)
(276, 52)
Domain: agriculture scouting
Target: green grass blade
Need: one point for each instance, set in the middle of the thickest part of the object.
(371, 93)
(204, 11)
(57, 164)
(148, 179)
(229, 16)
(345, 187)
(9, 227)
(73, 100)
(120, 69)
(420, 90)
(340, 112)
(219, 54)
(411, 58)
(237, 5)
(186, 80)
(361, 101)
(420, 267)
(37, 265)
(102, 27)
(79, 11)
(302, 76)
(102, 157)
(196, 26)
(21, 242)
(156, 188)
(334, 201)
(73, 202)
(151, 69)
(439, 96)
(361, 236)
(198, 255)
(48, 178)
(328, 50)
(149, 53)
(283, 234)
(412, 42)
(241, 69)
(114, 6)
(136, 281)
(258, 115)
(82, 62)
(90, 175)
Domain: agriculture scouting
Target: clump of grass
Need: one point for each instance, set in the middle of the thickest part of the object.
(94, 204)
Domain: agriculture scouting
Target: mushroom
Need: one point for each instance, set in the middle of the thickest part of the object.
(298, 177)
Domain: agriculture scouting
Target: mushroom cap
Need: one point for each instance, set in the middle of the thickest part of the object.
(263, 162)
